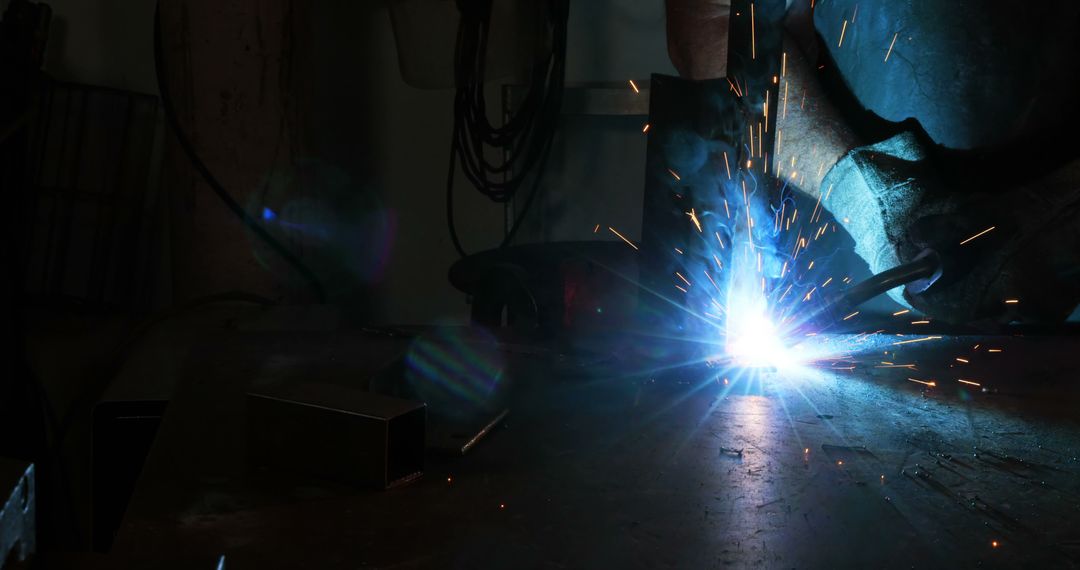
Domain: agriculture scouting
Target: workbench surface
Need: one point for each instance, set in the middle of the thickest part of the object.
(598, 466)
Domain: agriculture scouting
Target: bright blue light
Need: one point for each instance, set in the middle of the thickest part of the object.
(268, 214)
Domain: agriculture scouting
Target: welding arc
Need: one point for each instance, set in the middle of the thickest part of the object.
(524, 140)
(219, 190)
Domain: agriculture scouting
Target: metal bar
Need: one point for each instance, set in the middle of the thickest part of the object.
(47, 261)
(18, 498)
(69, 206)
(104, 231)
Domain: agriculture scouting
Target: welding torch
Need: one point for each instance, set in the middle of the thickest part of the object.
(916, 275)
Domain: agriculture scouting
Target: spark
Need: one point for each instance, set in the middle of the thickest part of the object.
(964, 360)
(851, 315)
(994, 350)
(984, 232)
(969, 382)
(719, 240)
(753, 35)
(634, 86)
(673, 173)
(726, 210)
(888, 53)
(714, 284)
(681, 289)
(727, 166)
(817, 205)
(994, 544)
(920, 322)
(596, 229)
(694, 218)
(904, 312)
(678, 251)
(680, 276)
(826, 283)
(917, 340)
(855, 14)
(622, 237)
(735, 87)
(645, 129)
(1011, 301)
(842, 30)
(786, 83)
(929, 383)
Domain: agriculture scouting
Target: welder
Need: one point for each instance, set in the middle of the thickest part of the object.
(940, 131)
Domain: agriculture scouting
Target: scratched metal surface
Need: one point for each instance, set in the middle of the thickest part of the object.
(601, 467)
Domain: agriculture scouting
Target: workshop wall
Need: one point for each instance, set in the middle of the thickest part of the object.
(362, 130)
(395, 138)
(103, 42)
(597, 167)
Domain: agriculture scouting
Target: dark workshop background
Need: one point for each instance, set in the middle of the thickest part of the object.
(262, 86)
(349, 107)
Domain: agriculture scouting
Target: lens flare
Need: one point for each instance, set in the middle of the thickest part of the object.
(455, 370)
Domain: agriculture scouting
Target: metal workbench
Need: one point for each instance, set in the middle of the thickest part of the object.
(602, 466)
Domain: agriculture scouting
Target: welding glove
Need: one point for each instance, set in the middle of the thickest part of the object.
(889, 199)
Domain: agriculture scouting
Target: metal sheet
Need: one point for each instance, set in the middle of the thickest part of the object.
(17, 516)
(345, 433)
(605, 468)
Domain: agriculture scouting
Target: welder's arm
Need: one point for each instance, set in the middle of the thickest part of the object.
(888, 198)
(697, 36)
(812, 130)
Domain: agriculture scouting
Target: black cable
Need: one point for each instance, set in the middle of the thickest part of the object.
(833, 311)
(524, 140)
(189, 149)
(921, 268)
